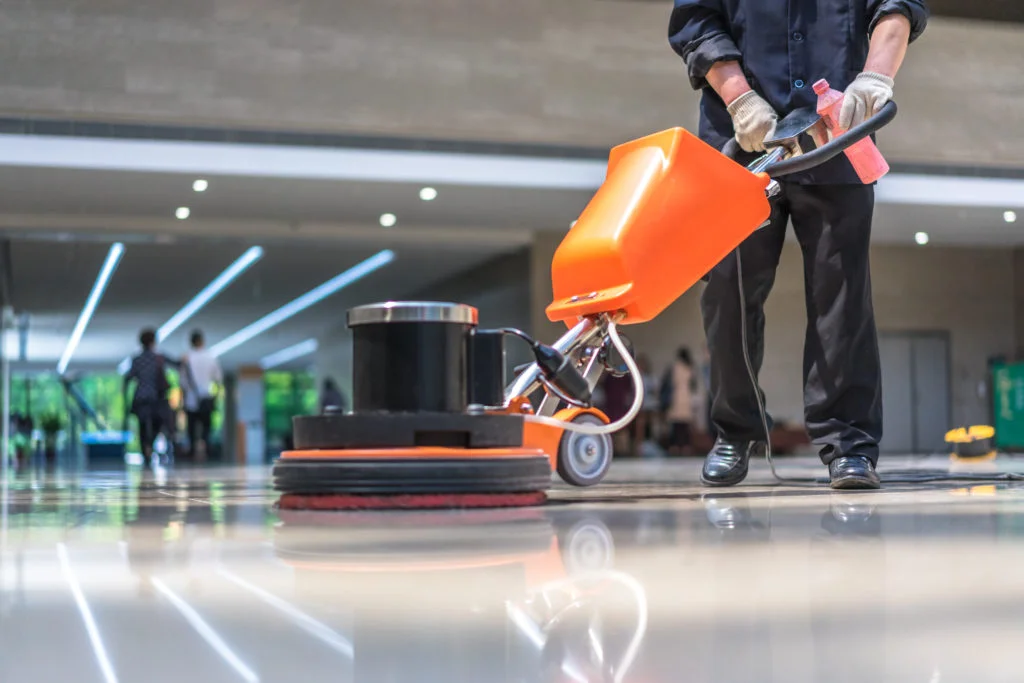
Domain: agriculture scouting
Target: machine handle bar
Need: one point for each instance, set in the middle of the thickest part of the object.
(826, 152)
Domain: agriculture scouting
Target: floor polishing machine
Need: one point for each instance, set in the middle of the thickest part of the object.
(433, 424)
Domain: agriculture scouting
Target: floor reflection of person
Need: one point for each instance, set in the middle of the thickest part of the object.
(149, 403)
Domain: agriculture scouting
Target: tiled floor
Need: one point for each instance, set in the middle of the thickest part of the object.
(193, 576)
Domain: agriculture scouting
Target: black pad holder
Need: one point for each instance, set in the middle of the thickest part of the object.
(413, 476)
(407, 430)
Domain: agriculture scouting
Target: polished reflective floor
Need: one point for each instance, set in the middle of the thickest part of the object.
(192, 575)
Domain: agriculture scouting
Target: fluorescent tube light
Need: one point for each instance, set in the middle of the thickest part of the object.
(283, 356)
(313, 296)
(219, 283)
(106, 272)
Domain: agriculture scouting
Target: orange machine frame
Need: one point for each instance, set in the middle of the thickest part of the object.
(671, 207)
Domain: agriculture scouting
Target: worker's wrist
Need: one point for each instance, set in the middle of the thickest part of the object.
(731, 96)
(728, 80)
(743, 103)
(885, 79)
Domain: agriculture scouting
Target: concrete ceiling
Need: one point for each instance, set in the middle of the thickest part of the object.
(75, 203)
(582, 72)
(51, 280)
(62, 222)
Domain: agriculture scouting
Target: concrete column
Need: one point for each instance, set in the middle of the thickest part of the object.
(544, 246)
(334, 359)
(229, 431)
(1018, 301)
(251, 429)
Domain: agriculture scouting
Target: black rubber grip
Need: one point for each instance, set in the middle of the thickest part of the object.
(826, 152)
(836, 146)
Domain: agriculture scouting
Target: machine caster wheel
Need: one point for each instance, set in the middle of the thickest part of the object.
(583, 459)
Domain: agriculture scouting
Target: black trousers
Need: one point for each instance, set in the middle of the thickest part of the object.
(841, 368)
(200, 422)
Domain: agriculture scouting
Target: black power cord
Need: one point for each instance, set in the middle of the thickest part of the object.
(557, 369)
(890, 477)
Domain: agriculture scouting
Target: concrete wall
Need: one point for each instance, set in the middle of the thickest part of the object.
(500, 290)
(589, 72)
(971, 293)
(1018, 300)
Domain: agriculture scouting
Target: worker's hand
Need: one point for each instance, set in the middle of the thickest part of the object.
(753, 119)
(793, 150)
(864, 98)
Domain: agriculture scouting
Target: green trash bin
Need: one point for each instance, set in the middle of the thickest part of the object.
(1008, 393)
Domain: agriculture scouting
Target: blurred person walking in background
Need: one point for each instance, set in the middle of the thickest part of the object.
(201, 381)
(149, 403)
(331, 397)
(645, 425)
(679, 408)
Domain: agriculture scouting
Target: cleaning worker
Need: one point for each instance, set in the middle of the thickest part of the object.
(755, 61)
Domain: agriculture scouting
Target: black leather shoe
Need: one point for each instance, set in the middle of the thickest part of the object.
(728, 461)
(853, 472)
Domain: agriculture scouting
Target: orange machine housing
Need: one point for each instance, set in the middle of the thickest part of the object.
(671, 207)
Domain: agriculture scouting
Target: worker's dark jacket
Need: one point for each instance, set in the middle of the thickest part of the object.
(784, 46)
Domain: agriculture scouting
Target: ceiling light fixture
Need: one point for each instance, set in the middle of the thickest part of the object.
(428, 194)
(182, 212)
(388, 219)
(1010, 216)
(200, 185)
(921, 238)
(289, 354)
(313, 296)
(98, 287)
(219, 283)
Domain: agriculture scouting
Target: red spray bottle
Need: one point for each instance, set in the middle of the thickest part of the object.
(865, 158)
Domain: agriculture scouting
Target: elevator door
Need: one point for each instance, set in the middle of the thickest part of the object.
(915, 391)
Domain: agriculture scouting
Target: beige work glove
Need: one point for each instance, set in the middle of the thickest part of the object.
(863, 98)
(753, 119)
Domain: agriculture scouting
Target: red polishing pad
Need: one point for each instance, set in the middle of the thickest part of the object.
(406, 501)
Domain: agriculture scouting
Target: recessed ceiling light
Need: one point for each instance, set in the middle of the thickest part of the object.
(200, 185)
(1009, 216)
(388, 219)
(428, 194)
(182, 212)
(921, 238)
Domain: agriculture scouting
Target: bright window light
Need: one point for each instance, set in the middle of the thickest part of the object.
(921, 238)
(200, 185)
(289, 354)
(1010, 216)
(388, 219)
(335, 284)
(428, 194)
(106, 272)
(182, 212)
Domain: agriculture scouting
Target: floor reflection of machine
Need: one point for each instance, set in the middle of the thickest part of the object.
(497, 595)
